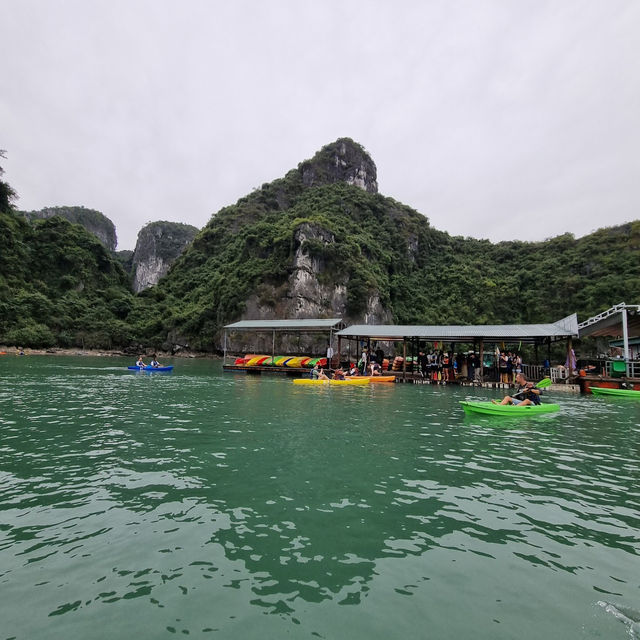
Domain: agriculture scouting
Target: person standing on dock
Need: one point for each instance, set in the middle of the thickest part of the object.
(329, 356)
(471, 366)
(379, 356)
(423, 362)
(364, 359)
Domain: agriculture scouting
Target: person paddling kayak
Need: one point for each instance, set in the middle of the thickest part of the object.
(527, 392)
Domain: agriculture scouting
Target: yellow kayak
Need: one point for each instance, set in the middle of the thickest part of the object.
(350, 382)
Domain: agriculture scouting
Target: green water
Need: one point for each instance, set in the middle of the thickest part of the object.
(230, 506)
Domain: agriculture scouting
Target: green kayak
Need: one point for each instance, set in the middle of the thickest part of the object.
(488, 408)
(601, 391)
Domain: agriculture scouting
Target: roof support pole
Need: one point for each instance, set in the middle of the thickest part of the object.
(339, 350)
(481, 363)
(625, 339)
(273, 345)
(570, 359)
(224, 349)
(452, 360)
(404, 360)
(330, 351)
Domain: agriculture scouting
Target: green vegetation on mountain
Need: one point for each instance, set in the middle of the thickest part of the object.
(125, 258)
(7, 194)
(93, 221)
(58, 285)
(421, 275)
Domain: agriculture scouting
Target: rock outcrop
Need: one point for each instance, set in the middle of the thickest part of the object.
(159, 245)
(341, 161)
(308, 292)
(93, 221)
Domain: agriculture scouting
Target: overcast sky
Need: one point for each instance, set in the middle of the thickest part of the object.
(504, 119)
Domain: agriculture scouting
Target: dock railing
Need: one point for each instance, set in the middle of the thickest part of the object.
(633, 368)
(533, 371)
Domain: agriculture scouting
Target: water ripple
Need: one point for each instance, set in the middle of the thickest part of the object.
(253, 507)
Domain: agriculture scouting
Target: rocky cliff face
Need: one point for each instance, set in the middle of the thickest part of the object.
(159, 245)
(341, 161)
(310, 291)
(93, 221)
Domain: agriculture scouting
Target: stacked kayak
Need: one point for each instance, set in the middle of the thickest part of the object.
(294, 362)
(148, 368)
(488, 408)
(338, 383)
(602, 391)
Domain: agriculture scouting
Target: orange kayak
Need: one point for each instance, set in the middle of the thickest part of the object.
(375, 379)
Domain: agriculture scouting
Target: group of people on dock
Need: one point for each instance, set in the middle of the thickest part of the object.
(437, 366)
(442, 366)
(369, 362)
(509, 366)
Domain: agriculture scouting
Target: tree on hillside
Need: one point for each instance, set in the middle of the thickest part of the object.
(7, 194)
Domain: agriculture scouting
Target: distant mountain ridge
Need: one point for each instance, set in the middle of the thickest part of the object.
(318, 242)
(321, 242)
(157, 247)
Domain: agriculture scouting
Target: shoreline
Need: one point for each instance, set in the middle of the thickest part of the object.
(102, 353)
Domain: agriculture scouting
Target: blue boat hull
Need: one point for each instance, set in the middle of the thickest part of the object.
(147, 368)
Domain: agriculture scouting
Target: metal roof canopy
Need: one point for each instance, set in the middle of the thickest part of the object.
(611, 322)
(314, 324)
(528, 333)
(621, 320)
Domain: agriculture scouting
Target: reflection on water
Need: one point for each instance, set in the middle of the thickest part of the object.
(250, 507)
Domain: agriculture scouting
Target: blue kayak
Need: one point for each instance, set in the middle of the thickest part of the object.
(148, 368)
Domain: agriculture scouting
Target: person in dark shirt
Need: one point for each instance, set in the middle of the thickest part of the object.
(527, 392)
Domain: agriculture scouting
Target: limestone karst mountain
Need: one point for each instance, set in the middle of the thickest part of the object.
(321, 241)
(158, 246)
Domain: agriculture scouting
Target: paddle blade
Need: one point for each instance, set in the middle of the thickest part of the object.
(544, 383)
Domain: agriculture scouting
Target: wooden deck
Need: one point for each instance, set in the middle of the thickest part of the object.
(586, 382)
